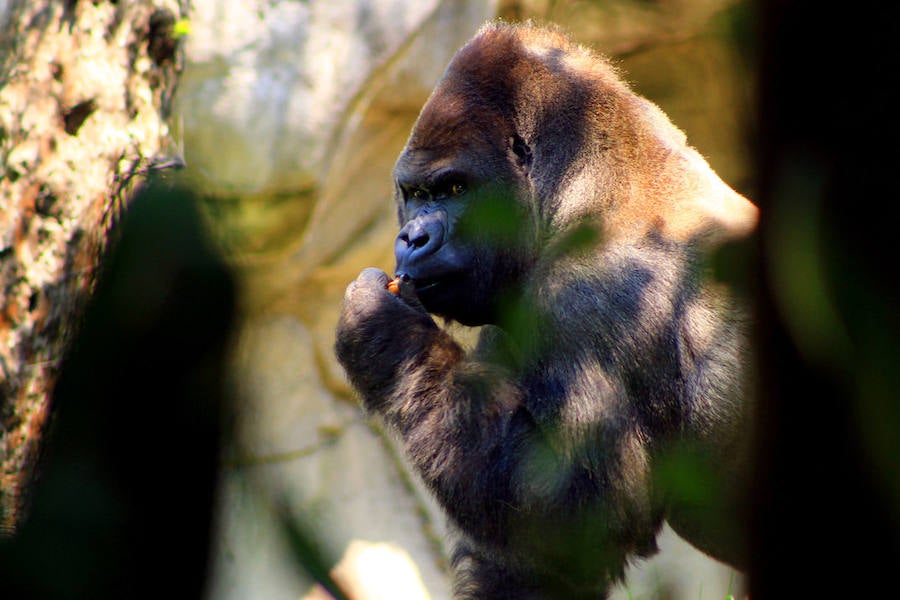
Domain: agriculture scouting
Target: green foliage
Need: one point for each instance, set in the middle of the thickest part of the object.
(688, 477)
(127, 485)
(181, 28)
(307, 550)
(583, 236)
(495, 216)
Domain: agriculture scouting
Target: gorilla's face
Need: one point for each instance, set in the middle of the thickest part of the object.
(466, 238)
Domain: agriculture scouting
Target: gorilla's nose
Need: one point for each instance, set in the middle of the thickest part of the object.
(419, 238)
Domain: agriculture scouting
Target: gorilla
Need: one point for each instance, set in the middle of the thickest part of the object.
(540, 197)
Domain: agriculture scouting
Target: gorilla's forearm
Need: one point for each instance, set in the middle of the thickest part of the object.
(461, 418)
(462, 424)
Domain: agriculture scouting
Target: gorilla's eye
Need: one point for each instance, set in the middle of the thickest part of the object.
(458, 189)
(421, 194)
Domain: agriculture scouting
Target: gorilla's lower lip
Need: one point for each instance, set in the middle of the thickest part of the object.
(422, 284)
(425, 284)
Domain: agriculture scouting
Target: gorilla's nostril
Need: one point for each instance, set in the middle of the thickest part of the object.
(421, 237)
(418, 233)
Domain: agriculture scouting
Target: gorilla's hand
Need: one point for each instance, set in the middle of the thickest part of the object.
(378, 332)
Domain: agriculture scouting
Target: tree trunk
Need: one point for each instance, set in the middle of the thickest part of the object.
(85, 88)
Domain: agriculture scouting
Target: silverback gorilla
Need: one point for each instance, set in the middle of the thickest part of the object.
(540, 197)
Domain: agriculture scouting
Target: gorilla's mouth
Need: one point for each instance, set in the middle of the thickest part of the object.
(435, 288)
(427, 284)
(445, 294)
(423, 285)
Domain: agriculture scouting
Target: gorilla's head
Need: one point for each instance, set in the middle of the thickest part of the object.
(526, 138)
(469, 229)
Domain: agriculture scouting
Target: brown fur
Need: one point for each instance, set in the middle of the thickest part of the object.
(607, 358)
(649, 177)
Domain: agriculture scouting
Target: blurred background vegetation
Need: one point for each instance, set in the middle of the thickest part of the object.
(206, 442)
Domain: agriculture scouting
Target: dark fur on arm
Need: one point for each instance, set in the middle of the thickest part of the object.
(461, 420)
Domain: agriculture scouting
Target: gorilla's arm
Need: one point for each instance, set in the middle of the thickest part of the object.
(461, 419)
(523, 473)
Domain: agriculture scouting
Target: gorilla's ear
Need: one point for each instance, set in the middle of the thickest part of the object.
(521, 152)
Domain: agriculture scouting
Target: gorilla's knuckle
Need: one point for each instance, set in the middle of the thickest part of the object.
(372, 277)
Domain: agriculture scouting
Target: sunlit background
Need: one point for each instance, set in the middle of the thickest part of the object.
(292, 117)
(289, 116)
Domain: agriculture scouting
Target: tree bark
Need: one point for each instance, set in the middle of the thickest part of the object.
(85, 89)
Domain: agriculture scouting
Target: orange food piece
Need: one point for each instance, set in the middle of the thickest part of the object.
(393, 285)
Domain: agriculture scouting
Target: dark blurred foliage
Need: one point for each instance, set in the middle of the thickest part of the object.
(826, 500)
(306, 549)
(123, 507)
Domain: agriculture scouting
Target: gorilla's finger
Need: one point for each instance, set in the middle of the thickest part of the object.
(407, 292)
(373, 277)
